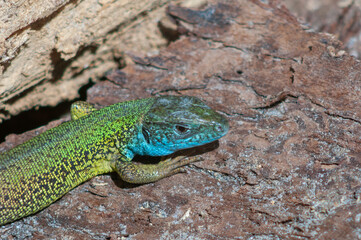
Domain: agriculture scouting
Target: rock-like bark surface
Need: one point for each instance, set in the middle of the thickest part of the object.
(290, 167)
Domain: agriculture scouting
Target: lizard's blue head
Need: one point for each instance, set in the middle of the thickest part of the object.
(178, 122)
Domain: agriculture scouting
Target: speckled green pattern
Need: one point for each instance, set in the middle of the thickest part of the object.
(80, 109)
(38, 172)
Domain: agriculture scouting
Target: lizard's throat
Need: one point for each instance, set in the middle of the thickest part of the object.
(141, 146)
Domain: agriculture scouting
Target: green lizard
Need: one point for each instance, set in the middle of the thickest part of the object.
(38, 172)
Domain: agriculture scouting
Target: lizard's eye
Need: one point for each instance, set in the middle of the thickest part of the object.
(181, 129)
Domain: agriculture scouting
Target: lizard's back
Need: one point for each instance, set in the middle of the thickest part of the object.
(40, 171)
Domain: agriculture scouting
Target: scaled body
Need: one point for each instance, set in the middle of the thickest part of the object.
(41, 170)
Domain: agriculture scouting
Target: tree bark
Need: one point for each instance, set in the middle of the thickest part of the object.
(49, 49)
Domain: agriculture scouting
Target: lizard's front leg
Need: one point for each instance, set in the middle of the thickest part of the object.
(146, 173)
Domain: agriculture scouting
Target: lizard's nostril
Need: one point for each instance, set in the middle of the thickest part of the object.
(219, 129)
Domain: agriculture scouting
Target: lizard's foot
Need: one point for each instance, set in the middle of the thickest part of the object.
(177, 164)
(145, 173)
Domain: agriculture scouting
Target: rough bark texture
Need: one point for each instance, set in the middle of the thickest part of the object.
(50, 48)
(290, 167)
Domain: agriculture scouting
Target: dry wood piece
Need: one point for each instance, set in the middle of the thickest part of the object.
(290, 167)
(49, 49)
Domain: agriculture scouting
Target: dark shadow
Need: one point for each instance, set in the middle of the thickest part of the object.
(33, 119)
(168, 33)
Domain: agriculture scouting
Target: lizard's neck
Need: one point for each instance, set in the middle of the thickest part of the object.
(141, 146)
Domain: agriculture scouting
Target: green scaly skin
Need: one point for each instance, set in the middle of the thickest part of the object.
(38, 172)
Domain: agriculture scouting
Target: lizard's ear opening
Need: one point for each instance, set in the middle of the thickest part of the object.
(145, 134)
